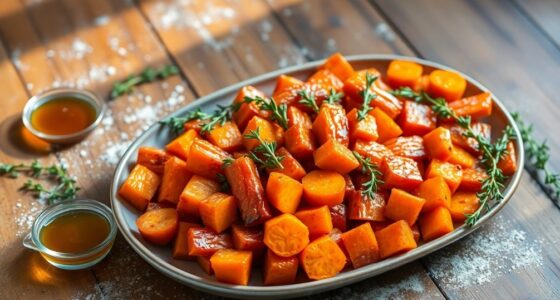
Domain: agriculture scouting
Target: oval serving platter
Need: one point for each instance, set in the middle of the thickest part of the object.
(189, 273)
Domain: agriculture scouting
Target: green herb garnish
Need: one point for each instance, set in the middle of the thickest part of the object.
(369, 169)
(149, 74)
(177, 124)
(334, 97)
(279, 112)
(308, 100)
(269, 160)
(367, 96)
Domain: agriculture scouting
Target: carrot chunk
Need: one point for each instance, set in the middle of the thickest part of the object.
(450, 172)
(361, 245)
(438, 143)
(374, 151)
(181, 145)
(318, 220)
(322, 259)
(463, 203)
(174, 179)
(386, 127)
(395, 239)
(447, 84)
(279, 270)
(508, 163)
(206, 159)
(205, 241)
(297, 117)
(470, 144)
(334, 156)
(435, 223)
(283, 192)
(326, 80)
(363, 208)
(407, 146)
(152, 158)
(140, 187)
(365, 129)
(472, 179)
(461, 157)
(477, 106)
(232, 266)
(331, 123)
(158, 226)
(339, 66)
(218, 211)
(338, 216)
(436, 193)
(285, 235)
(197, 189)
(249, 239)
(204, 263)
(322, 187)
(417, 119)
(422, 83)
(403, 206)
(287, 90)
(400, 172)
(226, 136)
(247, 111)
(290, 166)
(300, 142)
(403, 73)
(180, 246)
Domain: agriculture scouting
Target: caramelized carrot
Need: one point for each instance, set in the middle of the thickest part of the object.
(472, 179)
(318, 220)
(204, 263)
(447, 84)
(365, 129)
(158, 226)
(283, 192)
(400, 172)
(417, 119)
(300, 142)
(180, 246)
(508, 163)
(477, 106)
(175, 177)
(334, 156)
(438, 143)
(325, 80)
(140, 187)
(436, 192)
(461, 157)
(450, 172)
(205, 241)
(363, 208)
(285, 235)
(297, 117)
(374, 151)
(339, 66)
(181, 145)
(435, 223)
(290, 166)
(266, 131)
(322, 259)
(422, 83)
(206, 159)
(152, 158)
(246, 186)
(462, 204)
(218, 211)
(287, 89)
(361, 245)
(338, 216)
(395, 239)
(331, 123)
(470, 144)
(227, 137)
(386, 127)
(194, 125)
(407, 146)
(322, 187)
(403, 206)
(197, 189)
(249, 239)
(403, 73)
(247, 110)
(232, 266)
(279, 270)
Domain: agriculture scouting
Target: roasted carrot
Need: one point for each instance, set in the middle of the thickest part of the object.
(175, 177)
(290, 166)
(300, 142)
(249, 239)
(338, 216)
(226, 137)
(438, 143)
(218, 211)
(339, 66)
(266, 130)
(470, 144)
(472, 179)
(197, 189)
(279, 270)
(322, 187)
(152, 158)
(400, 172)
(417, 119)
(205, 241)
(158, 226)
(508, 163)
(334, 156)
(284, 82)
(140, 187)
(374, 151)
(180, 246)
(435, 223)
(287, 90)
(450, 172)
(318, 220)
(331, 123)
(386, 127)
(422, 83)
(447, 84)
(322, 259)
(461, 157)
(363, 208)
(436, 193)
(361, 245)
(326, 80)
(204, 263)
(181, 145)
(283, 192)
(232, 266)
(407, 146)
(477, 106)
(395, 239)
(285, 235)
(365, 129)
(247, 111)
(403, 73)
(246, 186)
(297, 117)
(403, 206)
(206, 159)
(463, 203)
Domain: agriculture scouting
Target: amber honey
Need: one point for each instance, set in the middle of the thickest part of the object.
(63, 116)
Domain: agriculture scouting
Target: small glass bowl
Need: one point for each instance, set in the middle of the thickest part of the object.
(72, 261)
(36, 101)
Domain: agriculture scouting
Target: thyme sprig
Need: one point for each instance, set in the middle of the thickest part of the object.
(266, 150)
(538, 155)
(369, 169)
(147, 75)
(65, 188)
(308, 100)
(219, 116)
(492, 185)
(334, 97)
(367, 96)
(177, 124)
(279, 113)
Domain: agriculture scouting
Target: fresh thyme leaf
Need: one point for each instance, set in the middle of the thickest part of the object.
(334, 97)
(224, 184)
(219, 116)
(279, 112)
(227, 162)
(308, 100)
(177, 124)
(367, 96)
(148, 75)
(369, 169)
(266, 150)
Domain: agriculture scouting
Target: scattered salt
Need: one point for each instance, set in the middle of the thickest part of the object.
(114, 152)
(80, 48)
(25, 214)
(101, 20)
(16, 54)
(385, 32)
(331, 45)
(83, 153)
(265, 27)
(29, 86)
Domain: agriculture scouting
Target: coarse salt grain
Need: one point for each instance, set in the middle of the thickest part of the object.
(114, 152)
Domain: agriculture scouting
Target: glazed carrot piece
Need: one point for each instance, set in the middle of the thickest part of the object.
(338, 216)
(331, 123)
(447, 84)
(403, 73)
(232, 266)
(249, 239)
(152, 158)
(438, 143)
(386, 127)
(400, 172)
(285, 235)
(470, 144)
(290, 166)
(395, 239)
(174, 179)
(336, 236)
(287, 89)
(195, 125)
(407, 146)
(450, 172)
(300, 142)
(325, 79)
(180, 246)
(508, 163)
(205, 241)
(339, 66)
(283, 192)
(197, 189)
(363, 208)
(247, 110)
(218, 211)
(403, 206)
(158, 226)
(323, 187)
(472, 179)
(246, 186)
(140, 187)
(361, 245)
(322, 259)
(206, 159)
(279, 270)
(417, 119)
(477, 106)
(436, 193)
(266, 131)
(374, 151)
(334, 156)
(463, 203)
(278, 134)
(461, 157)
(284, 82)
(422, 83)
(435, 223)
(181, 145)
(365, 129)
(204, 263)
(318, 220)
(297, 117)
(227, 137)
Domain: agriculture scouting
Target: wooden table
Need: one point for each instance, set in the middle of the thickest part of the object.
(512, 46)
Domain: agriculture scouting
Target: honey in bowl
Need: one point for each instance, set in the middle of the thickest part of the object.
(63, 116)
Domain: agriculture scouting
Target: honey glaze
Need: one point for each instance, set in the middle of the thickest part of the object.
(75, 232)
(63, 116)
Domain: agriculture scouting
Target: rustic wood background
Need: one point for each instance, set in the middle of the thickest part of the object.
(512, 46)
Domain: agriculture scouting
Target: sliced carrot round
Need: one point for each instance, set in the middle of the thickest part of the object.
(158, 226)
(403, 73)
(322, 258)
(322, 187)
(285, 235)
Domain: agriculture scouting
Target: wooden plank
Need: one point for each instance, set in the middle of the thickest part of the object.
(498, 40)
(544, 13)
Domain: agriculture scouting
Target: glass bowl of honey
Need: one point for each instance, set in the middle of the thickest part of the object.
(74, 234)
(63, 115)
